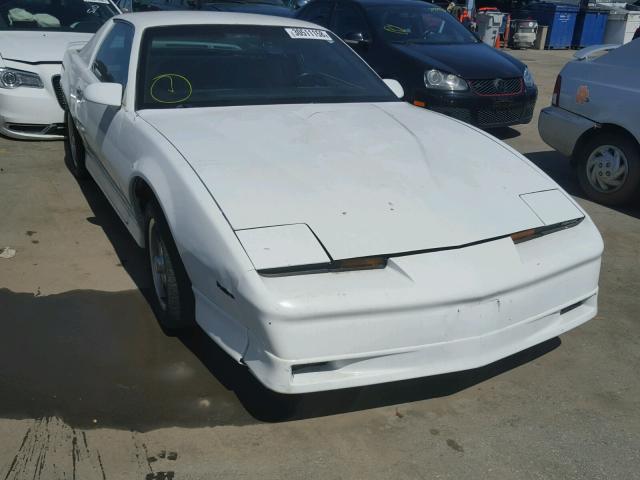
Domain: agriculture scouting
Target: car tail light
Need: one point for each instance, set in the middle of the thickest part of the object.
(555, 98)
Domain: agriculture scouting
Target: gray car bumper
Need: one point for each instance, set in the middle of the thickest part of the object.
(561, 129)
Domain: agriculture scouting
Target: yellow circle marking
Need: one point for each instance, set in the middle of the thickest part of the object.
(170, 76)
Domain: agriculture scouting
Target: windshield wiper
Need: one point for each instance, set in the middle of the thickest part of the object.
(410, 41)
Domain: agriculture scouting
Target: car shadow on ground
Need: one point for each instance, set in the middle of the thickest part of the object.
(504, 133)
(250, 401)
(557, 166)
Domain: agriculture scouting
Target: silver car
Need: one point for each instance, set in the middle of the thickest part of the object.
(595, 119)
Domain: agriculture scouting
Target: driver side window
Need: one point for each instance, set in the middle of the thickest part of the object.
(317, 12)
(112, 61)
(349, 20)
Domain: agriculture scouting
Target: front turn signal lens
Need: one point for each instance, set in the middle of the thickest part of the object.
(523, 235)
(364, 263)
(360, 263)
(530, 234)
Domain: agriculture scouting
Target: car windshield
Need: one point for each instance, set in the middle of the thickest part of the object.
(216, 65)
(419, 24)
(278, 3)
(55, 15)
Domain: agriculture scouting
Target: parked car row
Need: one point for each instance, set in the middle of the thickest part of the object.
(439, 63)
(323, 232)
(281, 8)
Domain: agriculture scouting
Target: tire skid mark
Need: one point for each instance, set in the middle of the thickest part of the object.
(146, 455)
(15, 458)
(74, 455)
(104, 475)
(140, 450)
(23, 463)
(51, 449)
(88, 460)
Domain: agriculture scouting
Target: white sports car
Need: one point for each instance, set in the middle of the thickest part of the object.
(322, 232)
(34, 34)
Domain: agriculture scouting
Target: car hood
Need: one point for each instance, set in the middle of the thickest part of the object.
(471, 61)
(34, 47)
(368, 179)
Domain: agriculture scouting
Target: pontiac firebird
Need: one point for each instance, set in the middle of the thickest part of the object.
(322, 232)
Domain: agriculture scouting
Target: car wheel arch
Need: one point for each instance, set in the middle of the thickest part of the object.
(141, 193)
(598, 130)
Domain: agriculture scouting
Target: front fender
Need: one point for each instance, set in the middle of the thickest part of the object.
(208, 246)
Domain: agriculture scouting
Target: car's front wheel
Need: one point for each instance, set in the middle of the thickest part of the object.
(74, 149)
(171, 294)
(609, 168)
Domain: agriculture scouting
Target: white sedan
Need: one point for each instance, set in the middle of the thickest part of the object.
(34, 34)
(322, 232)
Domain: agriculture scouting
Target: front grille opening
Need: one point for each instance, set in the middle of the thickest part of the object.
(497, 86)
(57, 88)
(571, 307)
(311, 368)
(497, 117)
(37, 129)
(25, 127)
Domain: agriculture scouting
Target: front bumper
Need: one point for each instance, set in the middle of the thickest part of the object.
(484, 111)
(424, 314)
(32, 113)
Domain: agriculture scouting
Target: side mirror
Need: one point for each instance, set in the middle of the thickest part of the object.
(299, 3)
(109, 94)
(356, 38)
(395, 87)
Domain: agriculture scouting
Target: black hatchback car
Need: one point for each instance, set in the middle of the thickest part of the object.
(439, 63)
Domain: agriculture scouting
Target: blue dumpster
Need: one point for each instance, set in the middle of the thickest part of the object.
(590, 27)
(559, 17)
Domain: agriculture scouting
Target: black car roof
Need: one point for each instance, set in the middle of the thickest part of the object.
(367, 3)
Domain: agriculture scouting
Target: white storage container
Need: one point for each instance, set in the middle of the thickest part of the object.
(621, 26)
(489, 26)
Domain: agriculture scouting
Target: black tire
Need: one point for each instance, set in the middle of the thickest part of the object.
(174, 305)
(74, 149)
(630, 183)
